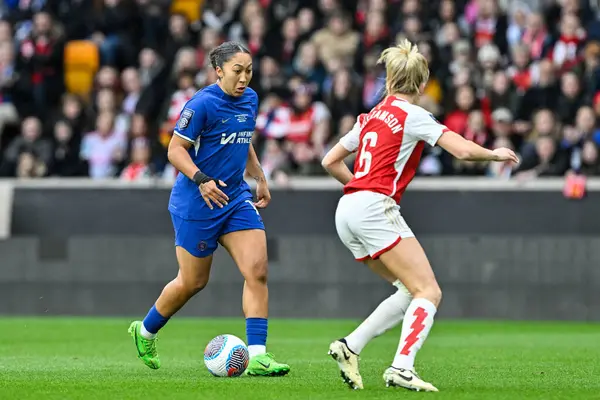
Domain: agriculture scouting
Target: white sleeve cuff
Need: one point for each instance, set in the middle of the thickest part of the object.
(183, 137)
(347, 146)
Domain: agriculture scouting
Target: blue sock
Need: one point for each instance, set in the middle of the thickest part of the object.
(154, 321)
(256, 331)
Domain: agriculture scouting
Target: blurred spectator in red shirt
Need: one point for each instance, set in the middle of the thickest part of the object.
(139, 167)
(41, 56)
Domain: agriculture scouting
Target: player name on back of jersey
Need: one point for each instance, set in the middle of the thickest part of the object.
(387, 117)
(244, 137)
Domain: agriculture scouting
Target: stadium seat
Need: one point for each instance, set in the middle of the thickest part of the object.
(81, 54)
(80, 82)
(189, 8)
(82, 61)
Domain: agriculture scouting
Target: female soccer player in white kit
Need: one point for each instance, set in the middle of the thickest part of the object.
(389, 141)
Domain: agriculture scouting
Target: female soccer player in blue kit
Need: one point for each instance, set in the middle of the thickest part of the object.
(211, 203)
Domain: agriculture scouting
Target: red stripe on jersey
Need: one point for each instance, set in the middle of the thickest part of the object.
(409, 171)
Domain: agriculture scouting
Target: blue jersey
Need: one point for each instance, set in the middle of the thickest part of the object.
(220, 127)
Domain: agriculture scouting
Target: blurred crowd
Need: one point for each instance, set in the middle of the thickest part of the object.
(522, 74)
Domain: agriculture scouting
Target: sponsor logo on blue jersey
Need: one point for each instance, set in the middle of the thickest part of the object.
(237, 137)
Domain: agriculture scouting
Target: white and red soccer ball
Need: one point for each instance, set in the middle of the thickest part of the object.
(226, 356)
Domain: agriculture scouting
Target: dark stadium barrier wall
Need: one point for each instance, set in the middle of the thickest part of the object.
(498, 251)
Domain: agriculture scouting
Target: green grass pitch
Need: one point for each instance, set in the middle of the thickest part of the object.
(80, 358)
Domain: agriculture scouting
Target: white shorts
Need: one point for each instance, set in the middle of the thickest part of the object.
(369, 224)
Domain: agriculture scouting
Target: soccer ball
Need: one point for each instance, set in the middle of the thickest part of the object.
(226, 355)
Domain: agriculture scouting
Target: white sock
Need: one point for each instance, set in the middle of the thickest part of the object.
(415, 328)
(387, 315)
(145, 334)
(256, 350)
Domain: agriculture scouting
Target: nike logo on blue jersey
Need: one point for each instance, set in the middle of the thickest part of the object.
(225, 120)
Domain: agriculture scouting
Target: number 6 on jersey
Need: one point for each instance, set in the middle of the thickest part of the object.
(365, 157)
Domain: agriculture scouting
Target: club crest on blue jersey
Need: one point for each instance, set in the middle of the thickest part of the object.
(186, 117)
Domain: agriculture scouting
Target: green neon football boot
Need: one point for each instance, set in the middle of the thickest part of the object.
(146, 348)
(265, 365)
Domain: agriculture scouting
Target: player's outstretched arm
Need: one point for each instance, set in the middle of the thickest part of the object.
(333, 162)
(178, 155)
(467, 150)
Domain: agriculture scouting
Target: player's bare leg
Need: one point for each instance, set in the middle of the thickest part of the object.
(248, 248)
(192, 277)
(408, 262)
(387, 315)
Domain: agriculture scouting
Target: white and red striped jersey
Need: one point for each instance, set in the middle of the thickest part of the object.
(297, 128)
(178, 100)
(389, 141)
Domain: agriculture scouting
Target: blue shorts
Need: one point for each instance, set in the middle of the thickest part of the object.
(200, 237)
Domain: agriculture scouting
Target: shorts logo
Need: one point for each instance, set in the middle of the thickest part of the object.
(185, 118)
(202, 246)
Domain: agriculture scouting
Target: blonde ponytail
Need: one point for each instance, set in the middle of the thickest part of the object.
(406, 68)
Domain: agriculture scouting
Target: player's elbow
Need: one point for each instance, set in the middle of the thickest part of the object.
(330, 164)
(470, 151)
(174, 150)
(170, 154)
(174, 155)
(328, 160)
(326, 163)
(456, 145)
(334, 157)
(463, 154)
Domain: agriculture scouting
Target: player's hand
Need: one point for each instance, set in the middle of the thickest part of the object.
(504, 154)
(262, 194)
(212, 194)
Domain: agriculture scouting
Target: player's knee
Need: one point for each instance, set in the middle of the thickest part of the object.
(434, 294)
(431, 292)
(258, 272)
(197, 286)
(192, 286)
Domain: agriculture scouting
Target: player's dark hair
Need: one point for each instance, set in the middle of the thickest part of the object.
(224, 52)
